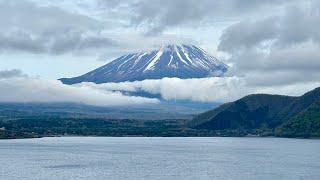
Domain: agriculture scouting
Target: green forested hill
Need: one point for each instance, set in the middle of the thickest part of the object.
(305, 124)
(252, 111)
(290, 116)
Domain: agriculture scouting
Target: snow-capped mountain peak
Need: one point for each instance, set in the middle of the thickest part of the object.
(182, 61)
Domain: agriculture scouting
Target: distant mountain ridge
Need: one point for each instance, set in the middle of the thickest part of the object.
(182, 61)
(288, 116)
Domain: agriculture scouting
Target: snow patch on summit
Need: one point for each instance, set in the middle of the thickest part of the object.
(154, 60)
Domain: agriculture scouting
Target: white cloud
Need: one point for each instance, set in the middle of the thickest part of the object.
(31, 89)
(17, 87)
(296, 89)
(215, 89)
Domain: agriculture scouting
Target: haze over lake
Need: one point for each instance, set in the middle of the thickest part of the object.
(159, 158)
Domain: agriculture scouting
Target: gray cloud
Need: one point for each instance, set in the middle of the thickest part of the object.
(31, 17)
(50, 27)
(59, 27)
(20, 41)
(29, 27)
(161, 14)
(283, 49)
(79, 43)
(4, 74)
(248, 34)
(297, 25)
(69, 42)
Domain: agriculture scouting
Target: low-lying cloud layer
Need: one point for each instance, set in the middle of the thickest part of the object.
(17, 88)
(215, 89)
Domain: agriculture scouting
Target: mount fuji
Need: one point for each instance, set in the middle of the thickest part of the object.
(181, 61)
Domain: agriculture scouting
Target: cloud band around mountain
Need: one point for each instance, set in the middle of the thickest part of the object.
(24, 89)
(17, 87)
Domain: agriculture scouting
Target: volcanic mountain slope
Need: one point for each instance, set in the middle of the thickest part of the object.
(182, 61)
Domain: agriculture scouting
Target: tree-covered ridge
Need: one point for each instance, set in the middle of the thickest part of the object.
(305, 124)
(290, 116)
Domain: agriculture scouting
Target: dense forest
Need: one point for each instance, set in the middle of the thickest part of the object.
(264, 115)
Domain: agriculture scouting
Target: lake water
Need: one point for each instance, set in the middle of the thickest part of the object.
(159, 158)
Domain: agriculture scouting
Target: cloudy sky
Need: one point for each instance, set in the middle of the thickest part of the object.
(272, 46)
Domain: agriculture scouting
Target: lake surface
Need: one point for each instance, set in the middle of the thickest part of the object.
(159, 158)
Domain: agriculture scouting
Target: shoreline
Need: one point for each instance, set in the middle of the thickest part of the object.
(249, 136)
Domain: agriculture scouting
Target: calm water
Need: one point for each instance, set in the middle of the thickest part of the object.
(159, 158)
